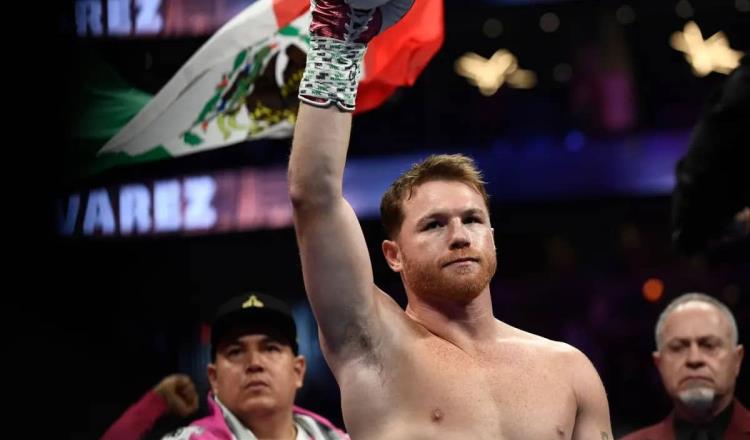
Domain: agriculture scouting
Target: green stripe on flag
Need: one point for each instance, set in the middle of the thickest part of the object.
(108, 160)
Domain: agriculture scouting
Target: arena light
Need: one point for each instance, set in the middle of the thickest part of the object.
(705, 56)
(653, 289)
(490, 74)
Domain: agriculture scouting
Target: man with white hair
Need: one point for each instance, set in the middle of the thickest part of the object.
(699, 358)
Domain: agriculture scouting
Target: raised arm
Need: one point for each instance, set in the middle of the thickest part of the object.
(592, 417)
(335, 261)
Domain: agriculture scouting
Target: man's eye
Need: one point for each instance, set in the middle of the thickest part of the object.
(676, 347)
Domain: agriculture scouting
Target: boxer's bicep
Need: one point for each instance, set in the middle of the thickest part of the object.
(335, 261)
(592, 414)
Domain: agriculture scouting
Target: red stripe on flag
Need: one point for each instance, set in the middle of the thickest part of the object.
(398, 56)
(288, 10)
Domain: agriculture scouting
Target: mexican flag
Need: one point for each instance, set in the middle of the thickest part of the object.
(242, 83)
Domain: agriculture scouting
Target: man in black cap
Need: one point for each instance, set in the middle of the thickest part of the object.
(255, 372)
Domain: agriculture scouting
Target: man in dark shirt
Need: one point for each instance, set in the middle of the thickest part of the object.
(699, 359)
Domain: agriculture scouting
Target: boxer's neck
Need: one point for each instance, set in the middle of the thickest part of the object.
(462, 324)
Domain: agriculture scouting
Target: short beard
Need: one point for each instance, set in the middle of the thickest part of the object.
(699, 401)
(430, 284)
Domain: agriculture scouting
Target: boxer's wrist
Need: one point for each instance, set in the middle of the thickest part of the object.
(339, 33)
(332, 73)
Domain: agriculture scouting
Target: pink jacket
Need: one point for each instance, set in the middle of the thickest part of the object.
(218, 425)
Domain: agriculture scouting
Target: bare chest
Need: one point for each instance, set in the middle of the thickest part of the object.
(503, 395)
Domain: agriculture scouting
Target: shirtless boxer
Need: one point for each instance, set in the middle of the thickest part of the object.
(444, 368)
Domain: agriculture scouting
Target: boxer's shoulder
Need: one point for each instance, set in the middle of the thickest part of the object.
(534, 347)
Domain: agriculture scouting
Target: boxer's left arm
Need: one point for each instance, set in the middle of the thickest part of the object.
(592, 413)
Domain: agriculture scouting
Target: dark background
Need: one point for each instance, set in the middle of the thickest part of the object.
(113, 316)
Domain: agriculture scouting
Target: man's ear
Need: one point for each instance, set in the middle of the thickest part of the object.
(739, 353)
(212, 379)
(392, 255)
(656, 357)
(300, 366)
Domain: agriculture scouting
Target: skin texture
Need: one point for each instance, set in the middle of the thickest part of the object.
(444, 367)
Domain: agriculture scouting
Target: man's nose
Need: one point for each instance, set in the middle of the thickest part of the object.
(694, 357)
(460, 237)
(253, 362)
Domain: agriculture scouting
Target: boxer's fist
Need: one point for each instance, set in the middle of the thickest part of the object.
(356, 21)
(339, 33)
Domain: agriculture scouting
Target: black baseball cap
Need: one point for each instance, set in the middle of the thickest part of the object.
(254, 309)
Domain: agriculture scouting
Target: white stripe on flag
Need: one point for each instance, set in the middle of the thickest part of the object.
(167, 109)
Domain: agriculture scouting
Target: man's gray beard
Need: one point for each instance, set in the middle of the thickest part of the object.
(699, 400)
